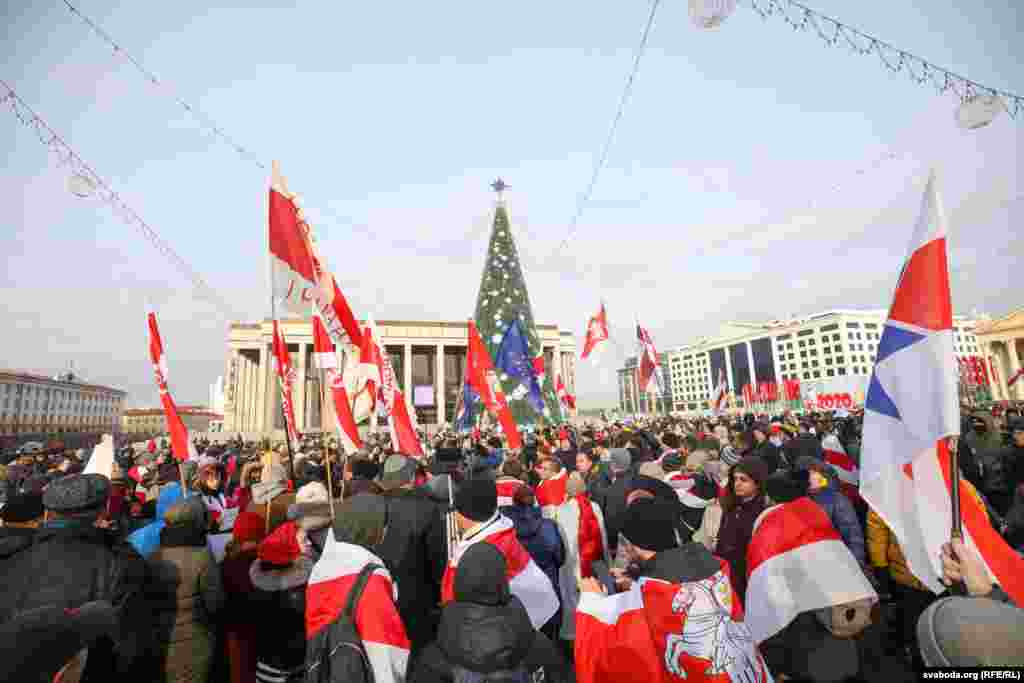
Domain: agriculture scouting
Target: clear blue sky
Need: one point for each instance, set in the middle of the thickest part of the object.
(396, 116)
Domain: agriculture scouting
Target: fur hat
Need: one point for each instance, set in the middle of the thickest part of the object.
(648, 525)
(77, 493)
(959, 631)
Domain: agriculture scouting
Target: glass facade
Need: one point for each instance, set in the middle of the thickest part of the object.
(764, 365)
(716, 359)
(424, 370)
(740, 367)
(454, 371)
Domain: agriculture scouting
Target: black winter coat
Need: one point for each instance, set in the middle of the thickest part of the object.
(487, 639)
(803, 445)
(415, 555)
(280, 600)
(73, 565)
(612, 502)
(541, 539)
(733, 539)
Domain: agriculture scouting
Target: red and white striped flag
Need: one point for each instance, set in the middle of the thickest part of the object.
(286, 379)
(376, 619)
(846, 469)
(181, 444)
(526, 580)
(404, 438)
(293, 273)
(566, 399)
(507, 487)
(721, 388)
(649, 365)
(682, 483)
(327, 360)
(597, 333)
(364, 375)
(797, 562)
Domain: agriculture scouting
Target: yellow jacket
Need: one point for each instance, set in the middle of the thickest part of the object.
(884, 550)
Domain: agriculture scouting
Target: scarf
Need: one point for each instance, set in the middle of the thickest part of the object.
(591, 544)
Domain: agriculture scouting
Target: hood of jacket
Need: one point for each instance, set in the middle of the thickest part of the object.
(485, 638)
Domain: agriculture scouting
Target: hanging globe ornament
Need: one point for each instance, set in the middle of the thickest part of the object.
(977, 111)
(709, 14)
(81, 185)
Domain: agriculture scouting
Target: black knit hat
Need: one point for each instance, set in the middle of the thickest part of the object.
(477, 499)
(22, 508)
(365, 469)
(77, 492)
(785, 486)
(648, 525)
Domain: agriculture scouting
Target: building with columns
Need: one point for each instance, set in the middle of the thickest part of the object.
(428, 358)
(1002, 342)
(829, 352)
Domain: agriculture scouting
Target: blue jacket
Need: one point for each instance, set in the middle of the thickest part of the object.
(147, 539)
(540, 537)
(840, 511)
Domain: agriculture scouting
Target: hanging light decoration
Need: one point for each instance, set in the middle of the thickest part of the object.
(709, 14)
(977, 111)
(81, 185)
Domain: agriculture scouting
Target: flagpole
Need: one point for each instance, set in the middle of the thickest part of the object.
(327, 449)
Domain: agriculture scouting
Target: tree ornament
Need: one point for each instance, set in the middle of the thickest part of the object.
(709, 14)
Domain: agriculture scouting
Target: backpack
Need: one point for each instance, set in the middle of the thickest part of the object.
(337, 653)
(848, 619)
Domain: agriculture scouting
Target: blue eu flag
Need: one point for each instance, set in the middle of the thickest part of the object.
(513, 359)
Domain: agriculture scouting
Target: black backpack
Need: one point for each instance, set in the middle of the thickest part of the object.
(337, 652)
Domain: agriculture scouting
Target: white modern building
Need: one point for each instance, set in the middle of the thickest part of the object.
(829, 352)
(216, 398)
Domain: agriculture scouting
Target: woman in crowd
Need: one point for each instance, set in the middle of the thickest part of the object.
(742, 503)
(240, 620)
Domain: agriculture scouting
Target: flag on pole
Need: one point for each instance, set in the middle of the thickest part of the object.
(721, 389)
(846, 469)
(286, 378)
(513, 359)
(404, 438)
(649, 365)
(364, 375)
(483, 381)
(293, 273)
(910, 409)
(567, 399)
(330, 303)
(327, 360)
(597, 333)
(181, 444)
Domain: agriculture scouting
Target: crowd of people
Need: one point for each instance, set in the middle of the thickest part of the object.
(610, 551)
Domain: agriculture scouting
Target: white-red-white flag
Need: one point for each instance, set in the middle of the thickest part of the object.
(377, 620)
(567, 399)
(286, 378)
(721, 389)
(648, 363)
(364, 374)
(597, 333)
(846, 469)
(327, 360)
(293, 270)
(181, 444)
(404, 438)
(797, 562)
(551, 493)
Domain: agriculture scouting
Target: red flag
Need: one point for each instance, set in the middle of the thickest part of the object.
(286, 378)
(648, 357)
(327, 359)
(181, 445)
(293, 273)
(597, 332)
(365, 377)
(339, 321)
(403, 435)
(567, 399)
(482, 379)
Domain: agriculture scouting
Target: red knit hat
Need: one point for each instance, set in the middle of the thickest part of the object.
(249, 527)
(281, 547)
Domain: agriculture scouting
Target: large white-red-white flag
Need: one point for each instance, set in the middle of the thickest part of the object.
(912, 407)
(364, 374)
(293, 271)
(552, 493)
(597, 333)
(181, 444)
(376, 618)
(525, 579)
(797, 562)
(845, 467)
(327, 360)
(721, 390)
(401, 422)
(286, 379)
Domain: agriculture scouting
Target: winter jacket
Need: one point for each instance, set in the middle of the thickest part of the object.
(612, 501)
(280, 600)
(803, 445)
(840, 512)
(240, 617)
(74, 564)
(147, 539)
(186, 595)
(734, 537)
(771, 454)
(570, 573)
(540, 537)
(415, 555)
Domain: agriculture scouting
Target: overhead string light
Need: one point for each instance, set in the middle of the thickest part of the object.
(85, 182)
(979, 104)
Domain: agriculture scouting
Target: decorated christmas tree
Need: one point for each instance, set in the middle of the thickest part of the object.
(502, 298)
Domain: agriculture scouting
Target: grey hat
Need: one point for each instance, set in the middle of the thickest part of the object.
(621, 459)
(399, 470)
(77, 492)
(971, 632)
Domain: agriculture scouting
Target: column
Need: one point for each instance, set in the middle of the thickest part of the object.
(264, 402)
(240, 386)
(991, 366)
(299, 391)
(1015, 392)
(750, 360)
(439, 396)
(407, 370)
(728, 369)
